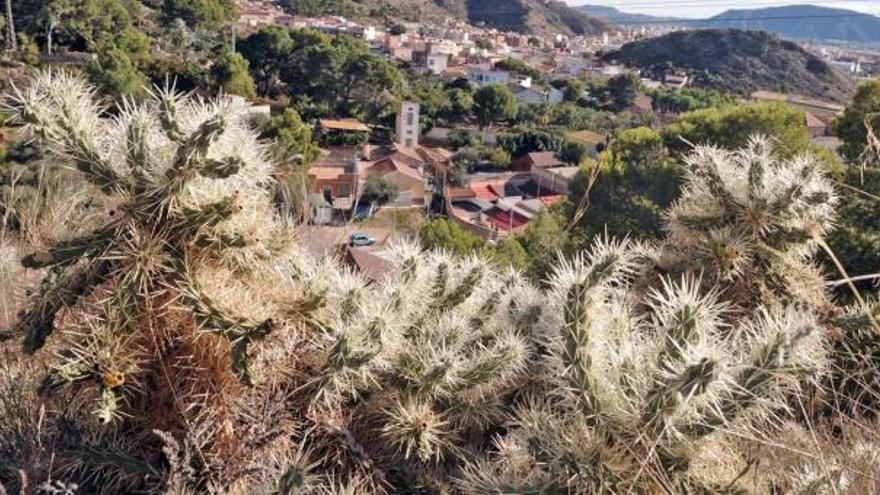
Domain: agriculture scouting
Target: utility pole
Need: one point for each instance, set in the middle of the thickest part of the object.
(11, 43)
(233, 37)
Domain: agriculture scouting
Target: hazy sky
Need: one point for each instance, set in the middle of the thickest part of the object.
(705, 8)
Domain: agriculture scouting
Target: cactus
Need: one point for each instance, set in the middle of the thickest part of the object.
(195, 349)
(751, 222)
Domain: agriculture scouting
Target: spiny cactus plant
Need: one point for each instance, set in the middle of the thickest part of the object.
(626, 399)
(194, 350)
(751, 221)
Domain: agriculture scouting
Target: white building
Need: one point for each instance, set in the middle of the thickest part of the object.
(408, 124)
(534, 96)
(484, 77)
(436, 63)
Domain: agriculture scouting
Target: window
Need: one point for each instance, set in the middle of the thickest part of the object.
(409, 142)
(410, 118)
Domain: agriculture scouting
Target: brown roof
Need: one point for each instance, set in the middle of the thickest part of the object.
(326, 173)
(460, 193)
(391, 164)
(344, 125)
(544, 159)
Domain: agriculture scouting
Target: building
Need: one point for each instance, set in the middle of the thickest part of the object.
(536, 160)
(592, 141)
(675, 80)
(435, 63)
(536, 96)
(407, 130)
(409, 180)
(483, 77)
(555, 179)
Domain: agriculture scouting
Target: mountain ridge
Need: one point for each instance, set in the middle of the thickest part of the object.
(802, 22)
(737, 61)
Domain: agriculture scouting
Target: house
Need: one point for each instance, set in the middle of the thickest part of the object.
(409, 180)
(337, 185)
(484, 77)
(536, 96)
(556, 179)
(436, 63)
(342, 132)
(536, 160)
(592, 141)
(675, 80)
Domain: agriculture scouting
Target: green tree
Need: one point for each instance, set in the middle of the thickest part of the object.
(689, 99)
(636, 182)
(494, 103)
(461, 104)
(522, 141)
(731, 127)
(446, 235)
(519, 67)
(292, 136)
(117, 75)
(856, 238)
(544, 240)
(573, 153)
(231, 75)
(484, 44)
(378, 190)
(622, 91)
(850, 128)
(201, 14)
(506, 253)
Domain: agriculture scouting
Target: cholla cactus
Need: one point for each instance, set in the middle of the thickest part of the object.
(627, 400)
(154, 288)
(750, 221)
(264, 370)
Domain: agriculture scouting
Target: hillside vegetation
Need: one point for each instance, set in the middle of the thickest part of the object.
(738, 61)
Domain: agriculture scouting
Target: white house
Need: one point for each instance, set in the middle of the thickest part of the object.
(484, 77)
(536, 96)
(436, 63)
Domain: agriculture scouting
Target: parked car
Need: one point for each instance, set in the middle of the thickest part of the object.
(361, 239)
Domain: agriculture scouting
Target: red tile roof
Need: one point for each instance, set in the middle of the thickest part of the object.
(503, 221)
(483, 190)
(551, 200)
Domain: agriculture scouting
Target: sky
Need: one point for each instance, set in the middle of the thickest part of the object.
(706, 8)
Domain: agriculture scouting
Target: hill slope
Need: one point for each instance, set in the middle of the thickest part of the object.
(802, 22)
(738, 61)
(613, 15)
(533, 16)
(523, 16)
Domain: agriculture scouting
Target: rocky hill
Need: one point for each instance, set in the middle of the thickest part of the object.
(738, 61)
(523, 16)
(617, 16)
(532, 16)
(802, 22)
